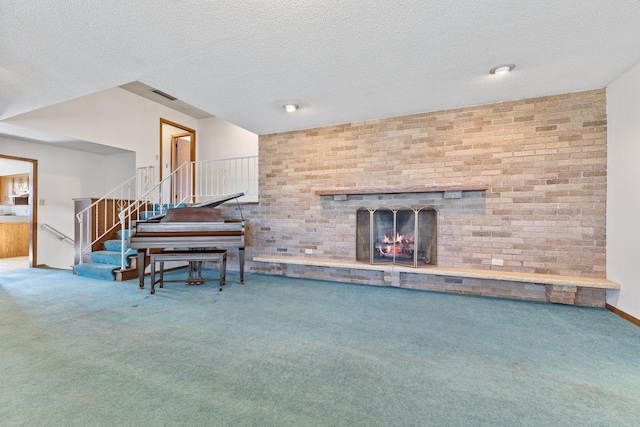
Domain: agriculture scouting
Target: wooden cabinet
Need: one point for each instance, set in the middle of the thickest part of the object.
(12, 185)
(21, 184)
(14, 239)
(6, 189)
(21, 187)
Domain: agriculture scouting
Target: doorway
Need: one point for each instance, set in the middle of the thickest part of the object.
(178, 145)
(180, 154)
(19, 217)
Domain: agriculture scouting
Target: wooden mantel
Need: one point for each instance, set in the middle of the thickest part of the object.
(402, 190)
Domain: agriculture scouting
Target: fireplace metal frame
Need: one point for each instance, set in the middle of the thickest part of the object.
(432, 246)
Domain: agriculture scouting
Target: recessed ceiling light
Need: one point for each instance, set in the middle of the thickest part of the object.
(290, 108)
(502, 69)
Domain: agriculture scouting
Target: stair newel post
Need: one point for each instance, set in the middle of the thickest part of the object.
(192, 175)
(123, 236)
(79, 241)
(83, 229)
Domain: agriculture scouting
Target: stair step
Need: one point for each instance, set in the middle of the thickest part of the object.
(166, 206)
(127, 233)
(115, 245)
(126, 274)
(111, 257)
(96, 270)
(148, 214)
(159, 210)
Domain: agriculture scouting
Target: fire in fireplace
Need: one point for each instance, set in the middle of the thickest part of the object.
(405, 236)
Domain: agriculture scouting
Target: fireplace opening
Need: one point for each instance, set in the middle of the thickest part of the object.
(404, 236)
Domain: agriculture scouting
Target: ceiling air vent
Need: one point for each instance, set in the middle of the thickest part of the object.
(166, 95)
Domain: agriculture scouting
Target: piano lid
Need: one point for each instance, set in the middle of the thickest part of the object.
(208, 204)
(191, 214)
(217, 201)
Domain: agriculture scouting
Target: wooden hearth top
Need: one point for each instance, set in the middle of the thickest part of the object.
(401, 190)
(545, 279)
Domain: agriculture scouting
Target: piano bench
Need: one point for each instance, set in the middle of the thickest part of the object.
(191, 256)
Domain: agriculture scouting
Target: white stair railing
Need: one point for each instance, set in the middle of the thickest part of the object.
(101, 217)
(139, 196)
(59, 234)
(227, 176)
(208, 178)
(155, 202)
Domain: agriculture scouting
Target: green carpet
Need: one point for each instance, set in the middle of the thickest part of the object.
(276, 351)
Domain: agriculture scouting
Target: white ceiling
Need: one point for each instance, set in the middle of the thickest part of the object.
(341, 61)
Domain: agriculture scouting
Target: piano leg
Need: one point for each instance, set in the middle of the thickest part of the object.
(241, 258)
(142, 253)
(193, 267)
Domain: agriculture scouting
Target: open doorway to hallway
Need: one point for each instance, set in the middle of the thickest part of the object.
(18, 212)
(177, 146)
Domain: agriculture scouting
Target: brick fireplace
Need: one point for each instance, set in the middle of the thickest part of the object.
(541, 161)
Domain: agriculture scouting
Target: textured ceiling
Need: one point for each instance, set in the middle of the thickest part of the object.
(340, 61)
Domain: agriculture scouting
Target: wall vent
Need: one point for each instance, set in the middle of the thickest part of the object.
(166, 95)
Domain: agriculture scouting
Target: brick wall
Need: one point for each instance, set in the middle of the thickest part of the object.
(543, 160)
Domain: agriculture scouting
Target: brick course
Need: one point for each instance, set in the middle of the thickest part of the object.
(543, 160)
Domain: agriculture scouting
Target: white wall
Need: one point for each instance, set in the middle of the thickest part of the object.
(218, 139)
(62, 176)
(117, 118)
(12, 167)
(623, 191)
(117, 168)
(113, 117)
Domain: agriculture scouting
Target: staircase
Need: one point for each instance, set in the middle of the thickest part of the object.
(104, 225)
(106, 263)
(115, 260)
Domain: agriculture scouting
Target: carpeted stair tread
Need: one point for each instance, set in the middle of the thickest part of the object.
(127, 233)
(159, 210)
(147, 214)
(97, 270)
(106, 261)
(115, 245)
(111, 257)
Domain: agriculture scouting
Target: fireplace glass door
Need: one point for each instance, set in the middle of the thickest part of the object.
(404, 236)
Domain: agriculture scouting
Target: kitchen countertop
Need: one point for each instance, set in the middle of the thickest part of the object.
(14, 218)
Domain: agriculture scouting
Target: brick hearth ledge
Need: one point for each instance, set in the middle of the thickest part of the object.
(558, 289)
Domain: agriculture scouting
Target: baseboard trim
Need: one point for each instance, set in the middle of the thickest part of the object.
(622, 314)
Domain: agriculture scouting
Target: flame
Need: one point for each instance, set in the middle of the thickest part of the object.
(394, 245)
(399, 238)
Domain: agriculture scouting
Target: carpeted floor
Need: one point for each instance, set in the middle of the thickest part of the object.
(290, 352)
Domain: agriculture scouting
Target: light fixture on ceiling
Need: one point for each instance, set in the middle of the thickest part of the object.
(502, 69)
(290, 108)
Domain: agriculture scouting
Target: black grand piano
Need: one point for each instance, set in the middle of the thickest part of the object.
(197, 226)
